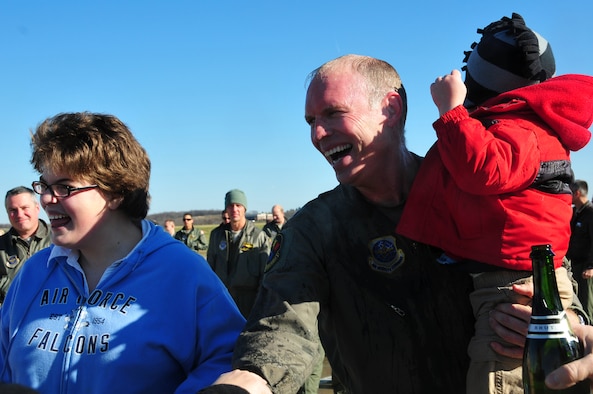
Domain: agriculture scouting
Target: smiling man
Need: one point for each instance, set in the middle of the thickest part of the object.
(391, 319)
(27, 235)
(386, 314)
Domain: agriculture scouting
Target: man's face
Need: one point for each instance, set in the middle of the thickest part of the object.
(345, 128)
(170, 227)
(188, 222)
(278, 215)
(236, 212)
(226, 217)
(576, 196)
(23, 213)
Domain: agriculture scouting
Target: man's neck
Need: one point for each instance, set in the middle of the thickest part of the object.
(391, 188)
(27, 234)
(238, 226)
(580, 202)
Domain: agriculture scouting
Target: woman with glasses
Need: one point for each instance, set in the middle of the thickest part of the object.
(115, 304)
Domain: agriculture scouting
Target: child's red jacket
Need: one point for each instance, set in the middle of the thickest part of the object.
(476, 195)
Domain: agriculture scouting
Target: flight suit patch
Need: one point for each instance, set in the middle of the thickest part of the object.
(222, 245)
(12, 261)
(385, 256)
(246, 247)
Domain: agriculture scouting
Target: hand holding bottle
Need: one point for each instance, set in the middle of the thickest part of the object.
(550, 342)
(570, 374)
(511, 322)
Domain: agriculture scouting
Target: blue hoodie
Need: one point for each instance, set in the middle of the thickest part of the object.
(159, 321)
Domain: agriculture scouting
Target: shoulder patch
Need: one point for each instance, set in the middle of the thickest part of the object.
(274, 252)
(385, 256)
(222, 245)
(246, 247)
(12, 261)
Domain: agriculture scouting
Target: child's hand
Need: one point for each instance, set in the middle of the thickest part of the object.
(448, 92)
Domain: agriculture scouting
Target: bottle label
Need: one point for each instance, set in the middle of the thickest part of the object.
(555, 326)
(547, 335)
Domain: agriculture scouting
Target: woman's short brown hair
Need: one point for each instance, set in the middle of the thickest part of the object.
(97, 148)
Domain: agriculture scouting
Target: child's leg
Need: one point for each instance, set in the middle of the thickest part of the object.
(490, 373)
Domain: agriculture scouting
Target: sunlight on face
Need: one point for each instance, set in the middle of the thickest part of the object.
(23, 213)
(76, 221)
(344, 127)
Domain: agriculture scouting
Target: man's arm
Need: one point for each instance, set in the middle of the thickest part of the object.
(202, 243)
(238, 382)
(4, 283)
(280, 341)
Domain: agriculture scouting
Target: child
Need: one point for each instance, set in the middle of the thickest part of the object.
(115, 304)
(497, 180)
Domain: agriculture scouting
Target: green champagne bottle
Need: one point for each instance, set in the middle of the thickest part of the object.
(550, 341)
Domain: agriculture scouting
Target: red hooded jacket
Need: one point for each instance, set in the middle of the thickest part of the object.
(474, 195)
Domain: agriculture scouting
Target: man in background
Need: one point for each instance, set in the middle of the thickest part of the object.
(193, 237)
(238, 253)
(226, 219)
(278, 219)
(28, 234)
(169, 226)
(580, 248)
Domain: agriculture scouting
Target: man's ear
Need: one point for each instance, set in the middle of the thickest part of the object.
(577, 194)
(394, 108)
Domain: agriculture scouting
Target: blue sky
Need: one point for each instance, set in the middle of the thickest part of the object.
(214, 90)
